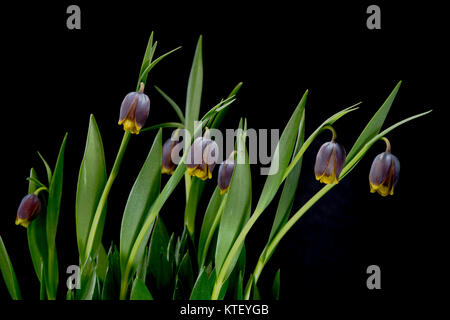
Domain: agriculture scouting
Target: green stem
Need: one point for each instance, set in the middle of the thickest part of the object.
(105, 193)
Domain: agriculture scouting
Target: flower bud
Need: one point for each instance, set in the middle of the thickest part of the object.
(29, 208)
(202, 157)
(168, 166)
(329, 162)
(384, 173)
(134, 111)
(225, 173)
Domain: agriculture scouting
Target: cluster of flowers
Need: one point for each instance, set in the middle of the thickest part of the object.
(202, 158)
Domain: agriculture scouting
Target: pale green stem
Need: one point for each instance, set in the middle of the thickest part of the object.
(36, 192)
(105, 193)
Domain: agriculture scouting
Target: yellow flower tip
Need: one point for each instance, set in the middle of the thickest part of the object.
(223, 191)
(23, 222)
(331, 179)
(130, 126)
(165, 170)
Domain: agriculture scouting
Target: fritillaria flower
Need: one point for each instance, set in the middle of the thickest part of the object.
(134, 111)
(330, 161)
(168, 166)
(202, 157)
(384, 172)
(29, 208)
(225, 174)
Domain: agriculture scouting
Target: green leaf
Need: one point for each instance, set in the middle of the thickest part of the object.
(282, 156)
(181, 246)
(88, 279)
(256, 293)
(144, 192)
(237, 206)
(149, 51)
(159, 267)
(173, 104)
(276, 286)
(102, 263)
(53, 206)
(374, 126)
(290, 186)
(91, 182)
(111, 286)
(203, 285)
(190, 212)
(47, 168)
(9, 276)
(184, 278)
(139, 291)
(143, 76)
(239, 295)
(209, 226)
(194, 91)
(33, 183)
(218, 117)
(36, 183)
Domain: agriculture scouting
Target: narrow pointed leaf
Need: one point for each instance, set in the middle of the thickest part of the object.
(172, 103)
(375, 124)
(91, 182)
(144, 192)
(282, 156)
(210, 223)
(9, 276)
(194, 91)
(53, 206)
(237, 207)
(47, 168)
(290, 186)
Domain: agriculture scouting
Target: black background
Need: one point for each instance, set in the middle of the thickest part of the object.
(55, 77)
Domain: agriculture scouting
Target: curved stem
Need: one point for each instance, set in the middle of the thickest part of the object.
(388, 144)
(36, 192)
(105, 193)
(333, 138)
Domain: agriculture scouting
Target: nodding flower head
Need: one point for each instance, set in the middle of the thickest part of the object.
(225, 174)
(168, 166)
(202, 157)
(330, 161)
(134, 111)
(384, 172)
(29, 208)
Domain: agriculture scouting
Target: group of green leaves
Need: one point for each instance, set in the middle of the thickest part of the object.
(150, 263)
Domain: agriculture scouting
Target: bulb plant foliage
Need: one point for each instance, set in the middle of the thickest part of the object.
(210, 263)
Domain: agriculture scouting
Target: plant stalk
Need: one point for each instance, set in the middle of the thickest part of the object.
(105, 193)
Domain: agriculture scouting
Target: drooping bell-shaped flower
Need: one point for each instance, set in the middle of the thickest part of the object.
(202, 157)
(168, 165)
(225, 174)
(384, 172)
(134, 111)
(330, 161)
(28, 210)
